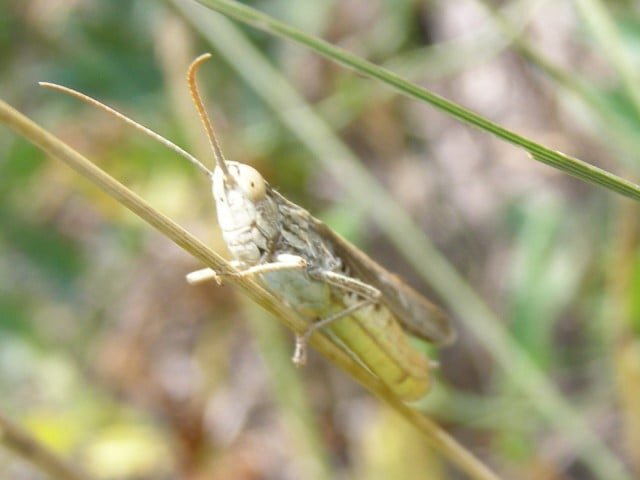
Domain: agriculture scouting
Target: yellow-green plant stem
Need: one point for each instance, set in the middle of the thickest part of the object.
(20, 442)
(435, 436)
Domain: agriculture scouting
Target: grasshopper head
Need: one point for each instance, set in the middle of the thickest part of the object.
(247, 214)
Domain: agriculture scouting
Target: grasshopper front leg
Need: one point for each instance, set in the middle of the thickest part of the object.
(283, 261)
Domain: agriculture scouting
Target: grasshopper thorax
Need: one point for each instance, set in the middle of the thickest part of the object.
(247, 214)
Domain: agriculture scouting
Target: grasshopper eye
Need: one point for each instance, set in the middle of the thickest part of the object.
(252, 184)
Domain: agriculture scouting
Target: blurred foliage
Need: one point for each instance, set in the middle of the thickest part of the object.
(111, 360)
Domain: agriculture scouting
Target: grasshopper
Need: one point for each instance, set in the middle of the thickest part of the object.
(312, 269)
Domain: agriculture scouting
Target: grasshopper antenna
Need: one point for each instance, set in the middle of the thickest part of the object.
(206, 122)
(156, 136)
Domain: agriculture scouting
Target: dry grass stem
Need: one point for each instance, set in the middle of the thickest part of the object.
(437, 438)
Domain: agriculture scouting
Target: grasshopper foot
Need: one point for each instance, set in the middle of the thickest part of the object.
(203, 275)
(300, 354)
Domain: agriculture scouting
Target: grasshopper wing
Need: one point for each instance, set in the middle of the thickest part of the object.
(416, 314)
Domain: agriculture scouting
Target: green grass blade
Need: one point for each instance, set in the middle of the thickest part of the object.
(558, 160)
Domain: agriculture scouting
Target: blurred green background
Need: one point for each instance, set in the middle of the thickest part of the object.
(109, 358)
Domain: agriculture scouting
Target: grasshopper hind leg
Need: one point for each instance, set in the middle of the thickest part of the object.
(347, 284)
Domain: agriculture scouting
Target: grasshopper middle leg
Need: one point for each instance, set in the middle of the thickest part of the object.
(370, 296)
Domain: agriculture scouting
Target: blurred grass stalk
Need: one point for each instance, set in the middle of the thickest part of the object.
(621, 322)
(288, 391)
(20, 442)
(598, 19)
(409, 239)
(545, 275)
(435, 436)
(623, 325)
